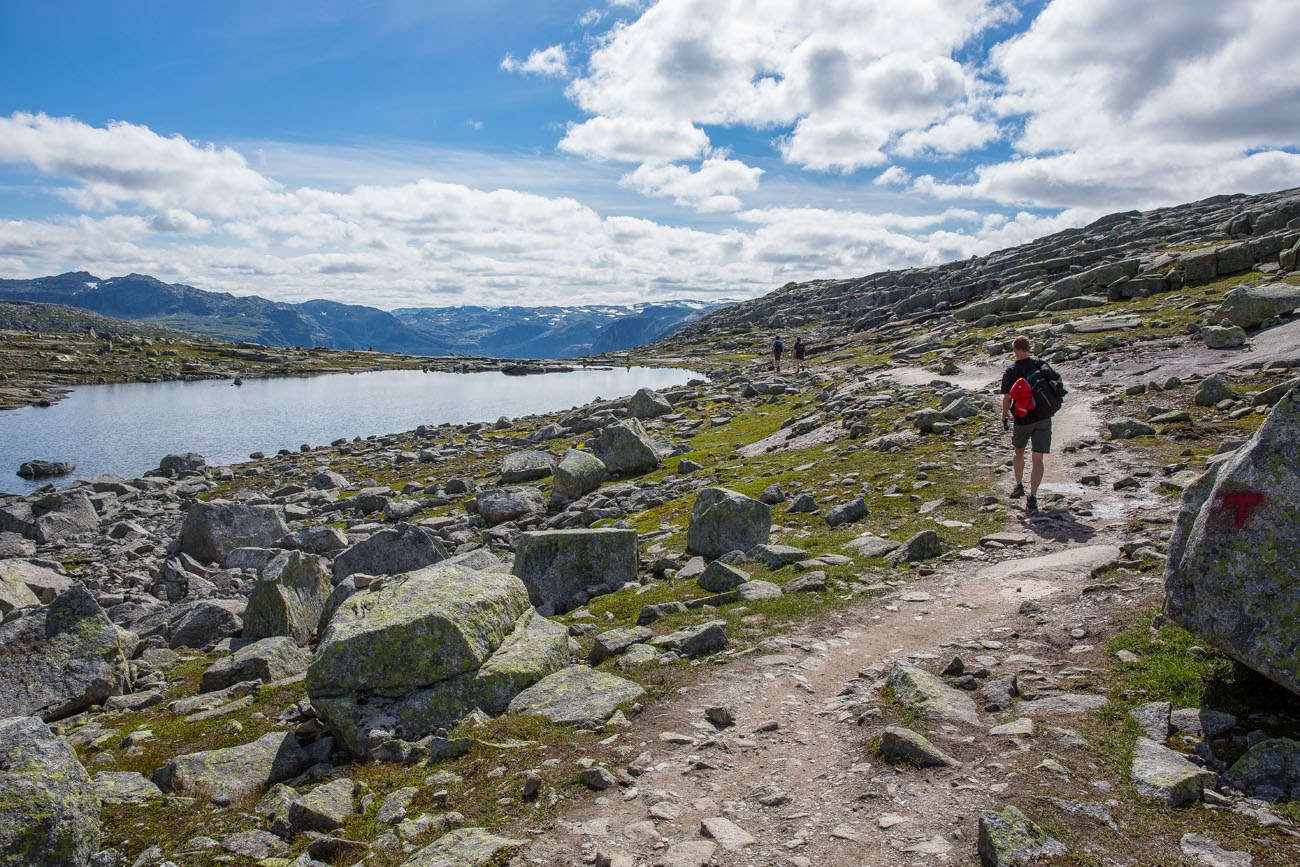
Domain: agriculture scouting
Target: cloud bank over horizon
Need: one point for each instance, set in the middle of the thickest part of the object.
(710, 149)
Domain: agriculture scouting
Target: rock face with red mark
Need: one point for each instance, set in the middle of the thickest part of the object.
(1232, 577)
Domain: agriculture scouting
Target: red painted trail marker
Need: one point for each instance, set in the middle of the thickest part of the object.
(1242, 503)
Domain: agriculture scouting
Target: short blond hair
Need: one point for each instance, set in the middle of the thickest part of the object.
(1022, 343)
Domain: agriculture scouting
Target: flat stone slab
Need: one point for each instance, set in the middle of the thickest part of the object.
(1204, 852)
(1023, 727)
(868, 545)
(465, 847)
(1072, 563)
(1167, 776)
(1070, 704)
(901, 744)
(730, 836)
(577, 696)
(234, 773)
(124, 787)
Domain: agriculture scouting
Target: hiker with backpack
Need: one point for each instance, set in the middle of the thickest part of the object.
(1031, 394)
(778, 349)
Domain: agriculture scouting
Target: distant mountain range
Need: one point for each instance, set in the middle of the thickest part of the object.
(503, 332)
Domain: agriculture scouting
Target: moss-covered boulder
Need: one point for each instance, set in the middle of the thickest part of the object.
(421, 651)
(722, 521)
(625, 448)
(929, 697)
(562, 569)
(289, 598)
(213, 529)
(13, 592)
(1230, 578)
(49, 815)
(266, 660)
(125, 787)
(577, 474)
(237, 773)
(60, 659)
(577, 696)
(465, 847)
(1009, 837)
(1270, 770)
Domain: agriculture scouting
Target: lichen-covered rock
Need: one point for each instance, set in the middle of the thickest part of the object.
(125, 787)
(13, 592)
(235, 773)
(899, 744)
(1010, 838)
(423, 650)
(625, 448)
(577, 696)
(1129, 428)
(324, 808)
(561, 568)
(266, 660)
(693, 641)
(213, 529)
(847, 513)
(1225, 337)
(526, 467)
(498, 505)
(1160, 773)
(465, 847)
(1214, 389)
(1230, 577)
(1270, 770)
(719, 577)
(1252, 306)
(925, 545)
(615, 641)
(929, 697)
(60, 659)
(577, 474)
(44, 583)
(722, 521)
(49, 815)
(647, 403)
(203, 623)
(403, 548)
(288, 598)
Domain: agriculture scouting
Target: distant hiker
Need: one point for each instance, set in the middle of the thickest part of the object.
(800, 350)
(1031, 394)
(778, 348)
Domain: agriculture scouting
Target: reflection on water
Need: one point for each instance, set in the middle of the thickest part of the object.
(127, 429)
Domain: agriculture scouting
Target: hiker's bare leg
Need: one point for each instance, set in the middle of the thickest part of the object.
(1035, 472)
(1018, 464)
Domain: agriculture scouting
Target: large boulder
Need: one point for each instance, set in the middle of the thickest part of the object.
(14, 593)
(63, 514)
(423, 650)
(44, 583)
(526, 467)
(212, 530)
(722, 521)
(563, 568)
(289, 598)
(648, 403)
(234, 774)
(267, 660)
(1252, 306)
(625, 448)
(39, 469)
(60, 659)
(577, 474)
(498, 505)
(1230, 576)
(49, 814)
(403, 548)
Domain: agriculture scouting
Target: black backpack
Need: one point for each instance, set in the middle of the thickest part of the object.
(1048, 390)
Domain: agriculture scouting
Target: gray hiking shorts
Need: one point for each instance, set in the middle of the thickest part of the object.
(1040, 432)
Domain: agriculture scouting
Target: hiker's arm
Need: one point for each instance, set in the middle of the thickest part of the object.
(1006, 404)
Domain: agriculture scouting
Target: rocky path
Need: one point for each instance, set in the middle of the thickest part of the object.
(793, 779)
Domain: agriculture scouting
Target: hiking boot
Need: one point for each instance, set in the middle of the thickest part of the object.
(1018, 491)
(1031, 503)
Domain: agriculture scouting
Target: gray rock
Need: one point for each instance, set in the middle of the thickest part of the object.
(1160, 773)
(1065, 704)
(63, 515)
(925, 545)
(253, 845)
(44, 583)
(39, 469)
(265, 660)
(658, 611)
(14, 593)
(693, 641)
(1232, 547)
(718, 577)
(752, 591)
(1270, 770)
(526, 467)
(289, 597)
(328, 480)
(1204, 852)
(1010, 838)
(647, 403)
(255, 559)
(578, 696)
(213, 529)
(324, 808)
(615, 641)
(1229, 337)
(1129, 428)
(234, 774)
(1213, 390)
(423, 650)
(498, 505)
(809, 582)
(50, 815)
(203, 623)
(465, 847)
(125, 787)
(777, 556)
(560, 567)
(577, 474)
(597, 779)
(868, 545)
(1153, 717)
(1252, 306)
(188, 462)
(14, 546)
(393, 809)
(60, 659)
(772, 494)
(625, 448)
(898, 744)
(929, 697)
(314, 540)
(403, 548)
(802, 504)
(847, 513)
(722, 521)
(1201, 723)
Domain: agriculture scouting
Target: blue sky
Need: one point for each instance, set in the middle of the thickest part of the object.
(437, 153)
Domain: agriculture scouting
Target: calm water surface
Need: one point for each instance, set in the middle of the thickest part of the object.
(127, 429)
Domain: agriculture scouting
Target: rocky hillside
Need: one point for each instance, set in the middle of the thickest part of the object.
(764, 618)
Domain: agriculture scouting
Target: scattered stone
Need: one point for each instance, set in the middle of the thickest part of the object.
(625, 448)
(498, 505)
(1153, 717)
(730, 836)
(465, 847)
(1010, 838)
(1160, 773)
(1204, 852)
(39, 469)
(720, 716)
(125, 787)
(577, 696)
(324, 808)
(49, 814)
(847, 513)
(1129, 428)
(1216, 337)
(647, 403)
(526, 467)
(598, 779)
(868, 545)
(254, 845)
(899, 744)
(577, 474)
(393, 809)
(616, 641)
(925, 545)
(809, 582)
(777, 556)
(693, 641)
(288, 598)
(1066, 704)
(1214, 390)
(718, 577)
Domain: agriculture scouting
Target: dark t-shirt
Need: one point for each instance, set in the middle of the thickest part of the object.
(1020, 369)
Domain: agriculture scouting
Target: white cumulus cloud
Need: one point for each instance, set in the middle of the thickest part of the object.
(552, 61)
